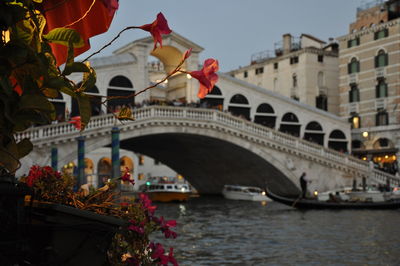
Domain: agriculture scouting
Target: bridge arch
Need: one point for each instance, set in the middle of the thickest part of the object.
(337, 141)
(239, 106)
(290, 124)
(265, 115)
(214, 99)
(119, 86)
(314, 133)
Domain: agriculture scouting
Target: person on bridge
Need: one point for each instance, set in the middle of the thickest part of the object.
(303, 185)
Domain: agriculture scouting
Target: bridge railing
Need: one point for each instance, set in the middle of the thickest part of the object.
(207, 115)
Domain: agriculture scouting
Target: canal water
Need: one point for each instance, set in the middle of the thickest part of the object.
(216, 231)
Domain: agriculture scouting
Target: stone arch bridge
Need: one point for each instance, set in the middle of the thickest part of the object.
(210, 148)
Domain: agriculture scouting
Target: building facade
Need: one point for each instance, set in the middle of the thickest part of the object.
(370, 82)
(304, 68)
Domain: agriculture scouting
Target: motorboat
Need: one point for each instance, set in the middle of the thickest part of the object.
(167, 190)
(334, 203)
(236, 192)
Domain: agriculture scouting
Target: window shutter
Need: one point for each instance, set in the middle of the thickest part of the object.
(377, 91)
(386, 59)
(358, 66)
(349, 68)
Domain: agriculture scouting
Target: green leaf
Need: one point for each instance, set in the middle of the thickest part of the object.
(85, 109)
(24, 147)
(9, 156)
(36, 102)
(26, 118)
(75, 67)
(89, 80)
(64, 36)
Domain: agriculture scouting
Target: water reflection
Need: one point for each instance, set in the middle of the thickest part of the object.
(215, 231)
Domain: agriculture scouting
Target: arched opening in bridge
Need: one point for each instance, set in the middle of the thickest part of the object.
(95, 102)
(265, 115)
(213, 100)
(89, 172)
(357, 144)
(59, 105)
(290, 125)
(104, 168)
(384, 155)
(119, 86)
(337, 141)
(239, 106)
(314, 133)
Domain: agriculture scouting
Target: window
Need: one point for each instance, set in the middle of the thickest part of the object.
(141, 160)
(321, 102)
(381, 89)
(276, 65)
(381, 34)
(294, 60)
(352, 43)
(294, 81)
(354, 94)
(141, 176)
(245, 74)
(320, 58)
(259, 70)
(353, 66)
(382, 118)
(355, 121)
(381, 59)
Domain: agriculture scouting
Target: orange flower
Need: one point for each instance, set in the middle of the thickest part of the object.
(76, 121)
(206, 76)
(158, 27)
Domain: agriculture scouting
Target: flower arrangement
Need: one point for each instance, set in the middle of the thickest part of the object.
(37, 38)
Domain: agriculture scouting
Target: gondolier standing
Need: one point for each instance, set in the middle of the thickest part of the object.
(303, 185)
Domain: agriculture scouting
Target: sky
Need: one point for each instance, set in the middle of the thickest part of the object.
(231, 30)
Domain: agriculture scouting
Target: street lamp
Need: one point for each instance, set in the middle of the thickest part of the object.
(365, 134)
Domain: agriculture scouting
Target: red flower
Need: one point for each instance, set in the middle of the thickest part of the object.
(111, 5)
(126, 177)
(158, 27)
(206, 76)
(146, 203)
(76, 121)
(187, 54)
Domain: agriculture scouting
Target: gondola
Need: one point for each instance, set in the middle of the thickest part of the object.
(301, 203)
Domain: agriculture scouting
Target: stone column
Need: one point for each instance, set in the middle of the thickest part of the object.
(81, 161)
(115, 152)
(54, 158)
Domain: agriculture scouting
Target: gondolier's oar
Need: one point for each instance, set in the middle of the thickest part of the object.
(294, 203)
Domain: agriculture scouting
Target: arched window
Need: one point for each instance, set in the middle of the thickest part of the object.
(120, 86)
(290, 124)
(239, 106)
(321, 81)
(213, 100)
(381, 59)
(353, 66)
(239, 98)
(313, 133)
(294, 81)
(354, 93)
(120, 81)
(382, 118)
(95, 102)
(337, 141)
(355, 121)
(265, 115)
(59, 104)
(381, 89)
(357, 144)
(290, 117)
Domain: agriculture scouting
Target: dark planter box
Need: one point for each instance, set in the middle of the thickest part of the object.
(63, 235)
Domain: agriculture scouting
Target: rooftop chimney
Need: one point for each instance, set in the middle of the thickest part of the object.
(287, 43)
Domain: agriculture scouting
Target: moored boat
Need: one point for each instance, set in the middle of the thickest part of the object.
(168, 190)
(251, 193)
(333, 203)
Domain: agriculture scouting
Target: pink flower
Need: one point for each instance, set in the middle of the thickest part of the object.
(146, 203)
(187, 54)
(158, 27)
(126, 177)
(76, 121)
(206, 76)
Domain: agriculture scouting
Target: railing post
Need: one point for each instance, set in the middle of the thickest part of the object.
(54, 158)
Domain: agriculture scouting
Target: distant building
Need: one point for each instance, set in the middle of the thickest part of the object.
(370, 82)
(304, 68)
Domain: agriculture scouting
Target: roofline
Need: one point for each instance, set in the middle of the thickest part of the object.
(312, 37)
